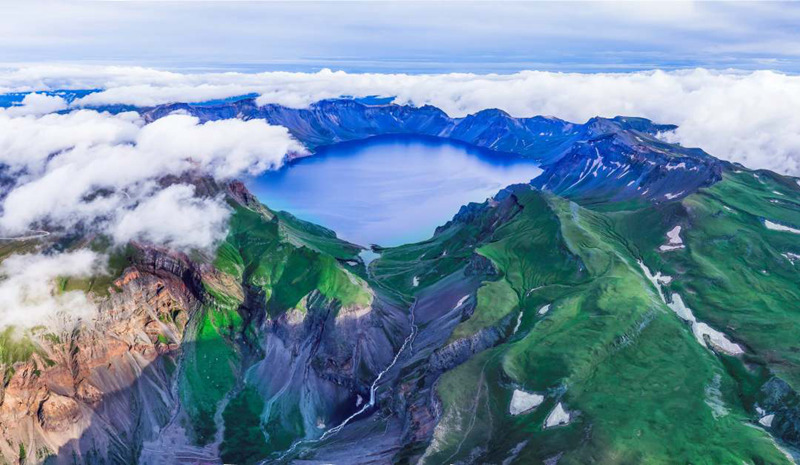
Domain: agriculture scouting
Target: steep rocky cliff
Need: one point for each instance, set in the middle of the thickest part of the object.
(169, 368)
(96, 390)
(636, 303)
(327, 122)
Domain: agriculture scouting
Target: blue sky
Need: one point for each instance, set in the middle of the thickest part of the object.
(405, 36)
(738, 99)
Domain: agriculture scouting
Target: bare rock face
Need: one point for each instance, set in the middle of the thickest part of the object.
(88, 393)
(99, 388)
(459, 351)
(57, 413)
(238, 191)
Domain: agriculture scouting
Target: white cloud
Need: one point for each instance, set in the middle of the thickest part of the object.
(749, 117)
(413, 36)
(26, 143)
(28, 291)
(224, 148)
(36, 104)
(95, 169)
(101, 172)
(174, 216)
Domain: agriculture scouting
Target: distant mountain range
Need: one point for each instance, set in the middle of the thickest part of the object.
(606, 159)
(331, 121)
(636, 303)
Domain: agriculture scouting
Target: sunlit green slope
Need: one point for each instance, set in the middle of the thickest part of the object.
(594, 336)
(550, 331)
(268, 262)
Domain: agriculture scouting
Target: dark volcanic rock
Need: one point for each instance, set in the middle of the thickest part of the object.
(604, 159)
(617, 164)
(339, 120)
(782, 401)
(458, 352)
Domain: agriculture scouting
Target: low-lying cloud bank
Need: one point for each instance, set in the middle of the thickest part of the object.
(91, 169)
(750, 118)
(100, 172)
(103, 174)
(28, 296)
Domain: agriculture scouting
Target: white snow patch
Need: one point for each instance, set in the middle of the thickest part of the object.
(588, 169)
(679, 166)
(792, 257)
(714, 398)
(657, 279)
(461, 301)
(557, 417)
(673, 196)
(779, 227)
(701, 330)
(524, 402)
(544, 309)
(359, 400)
(519, 322)
(531, 291)
(776, 192)
(415, 281)
(674, 235)
(766, 421)
(675, 241)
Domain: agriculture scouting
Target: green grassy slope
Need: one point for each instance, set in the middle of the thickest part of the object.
(277, 261)
(288, 259)
(740, 277)
(638, 385)
(589, 331)
(734, 271)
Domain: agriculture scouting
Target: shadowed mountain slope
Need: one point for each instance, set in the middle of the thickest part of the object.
(637, 303)
(331, 121)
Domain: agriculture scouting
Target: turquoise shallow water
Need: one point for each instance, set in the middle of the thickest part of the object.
(389, 190)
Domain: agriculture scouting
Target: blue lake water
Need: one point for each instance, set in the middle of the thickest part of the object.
(389, 190)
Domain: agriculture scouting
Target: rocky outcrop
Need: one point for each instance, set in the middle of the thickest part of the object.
(98, 389)
(238, 191)
(780, 400)
(328, 357)
(487, 216)
(461, 350)
(57, 413)
(612, 162)
(327, 122)
(167, 263)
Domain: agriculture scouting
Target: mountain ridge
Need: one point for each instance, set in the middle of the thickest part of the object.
(635, 163)
(338, 120)
(600, 305)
